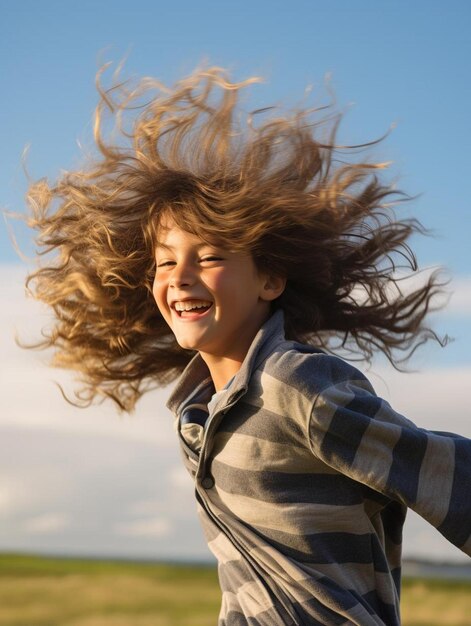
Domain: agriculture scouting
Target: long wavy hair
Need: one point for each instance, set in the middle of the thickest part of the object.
(275, 185)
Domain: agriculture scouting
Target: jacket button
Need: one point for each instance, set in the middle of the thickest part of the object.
(207, 482)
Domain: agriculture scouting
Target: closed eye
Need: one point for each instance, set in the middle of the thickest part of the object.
(206, 259)
(210, 258)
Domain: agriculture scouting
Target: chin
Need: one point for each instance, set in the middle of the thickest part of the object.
(187, 345)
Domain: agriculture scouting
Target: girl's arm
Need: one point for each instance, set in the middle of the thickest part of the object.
(360, 435)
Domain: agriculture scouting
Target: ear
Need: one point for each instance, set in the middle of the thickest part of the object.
(272, 287)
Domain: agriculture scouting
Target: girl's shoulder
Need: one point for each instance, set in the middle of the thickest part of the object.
(310, 370)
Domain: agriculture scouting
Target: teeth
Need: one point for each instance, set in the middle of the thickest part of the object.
(190, 305)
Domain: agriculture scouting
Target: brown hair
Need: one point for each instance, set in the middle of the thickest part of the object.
(282, 190)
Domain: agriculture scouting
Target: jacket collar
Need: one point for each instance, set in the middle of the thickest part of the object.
(195, 384)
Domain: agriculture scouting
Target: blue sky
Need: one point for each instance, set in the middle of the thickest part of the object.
(404, 63)
(398, 63)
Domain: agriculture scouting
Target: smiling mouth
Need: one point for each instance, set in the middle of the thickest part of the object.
(191, 308)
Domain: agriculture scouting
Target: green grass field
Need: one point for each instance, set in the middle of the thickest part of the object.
(37, 591)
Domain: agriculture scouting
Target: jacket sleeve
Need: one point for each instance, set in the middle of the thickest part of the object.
(360, 435)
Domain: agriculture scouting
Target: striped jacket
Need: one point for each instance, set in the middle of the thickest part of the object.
(302, 478)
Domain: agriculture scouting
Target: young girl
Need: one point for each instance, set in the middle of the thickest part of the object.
(265, 253)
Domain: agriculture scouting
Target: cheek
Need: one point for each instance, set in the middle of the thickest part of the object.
(232, 288)
(159, 293)
(216, 283)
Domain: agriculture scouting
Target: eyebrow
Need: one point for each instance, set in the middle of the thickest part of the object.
(198, 246)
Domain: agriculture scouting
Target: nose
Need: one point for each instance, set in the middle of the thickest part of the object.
(182, 275)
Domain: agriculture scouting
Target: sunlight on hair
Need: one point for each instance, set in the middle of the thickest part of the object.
(281, 189)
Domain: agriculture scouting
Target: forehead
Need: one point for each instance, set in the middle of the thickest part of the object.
(170, 234)
(176, 237)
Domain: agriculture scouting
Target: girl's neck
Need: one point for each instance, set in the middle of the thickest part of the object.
(221, 369)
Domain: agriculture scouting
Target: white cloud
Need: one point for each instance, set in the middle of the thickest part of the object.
(153, 527)
(460, 299)
(433, 399)
(455, 299)
(99, 482)
(19, 493)
(145, 507)
(6, 498)
(67, 475)
(46, 524)
(29, 395)
(423, 541)
(180, 479)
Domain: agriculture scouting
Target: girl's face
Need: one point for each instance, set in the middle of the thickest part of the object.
(214, 300)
